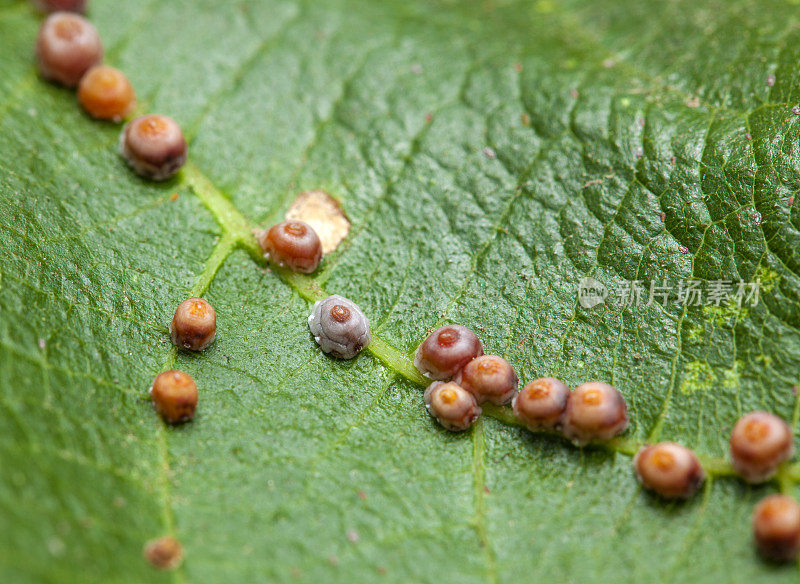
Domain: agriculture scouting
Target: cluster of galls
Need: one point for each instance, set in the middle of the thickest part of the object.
(464, 378)
(760, 442)
(174, 393)
(591, 412)
(338, 325)
(69, 52)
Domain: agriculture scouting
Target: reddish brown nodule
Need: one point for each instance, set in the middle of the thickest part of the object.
(106, 94)
(595, 411)
(164, 553)
(194, 325)
(68, 45)
(174, 396)
(671, 470)
(453, 406)
(446, 350)
(541, 403)
(489, 378)
(759, 442)
(293, 244)
(340, 313)
(776, 528)
(154, 146)
(61, 5)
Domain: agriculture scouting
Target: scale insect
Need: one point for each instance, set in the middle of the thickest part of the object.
(453, 406)
(174, 396)
(489, 378)
(67, 46)
(776, 528)
(106, 94)
(759, 443)
(194, 325)
(293, 244)
(339, 327)
(61, 5)
(671, 470)
(154, 146)
(595, 411)
(446, 350)
(541, 403)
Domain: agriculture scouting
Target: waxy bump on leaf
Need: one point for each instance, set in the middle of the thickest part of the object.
(174, 396)
(68, 45)
(776, 528)
(61, 5)
(293, 244)
(339, 327)
(194, 325)
(759, 442)
(164, 553)
(671, 470)
(489, 378)
(106, 94)
(446, 350)
(595, 412)
(154, 146)
(541, 403)
(453, 406)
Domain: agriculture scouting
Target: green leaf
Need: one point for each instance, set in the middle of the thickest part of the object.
(490, 155)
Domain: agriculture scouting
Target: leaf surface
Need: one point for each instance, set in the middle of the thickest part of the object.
(490, 156)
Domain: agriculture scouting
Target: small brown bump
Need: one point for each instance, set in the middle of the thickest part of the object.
(294, 244)
(194, 325)
(776, 528)
(174, 396)
(154, 146)
(671, 470)
(67, 46)
(453, 406)
(595, 412)
(164, 553)
(61, 5)
(106, 94)
(340, 313)
(446, 350)
(489, 378)
(759, 443)
(541, 403)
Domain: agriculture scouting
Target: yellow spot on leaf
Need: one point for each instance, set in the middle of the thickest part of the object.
(324, 214)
